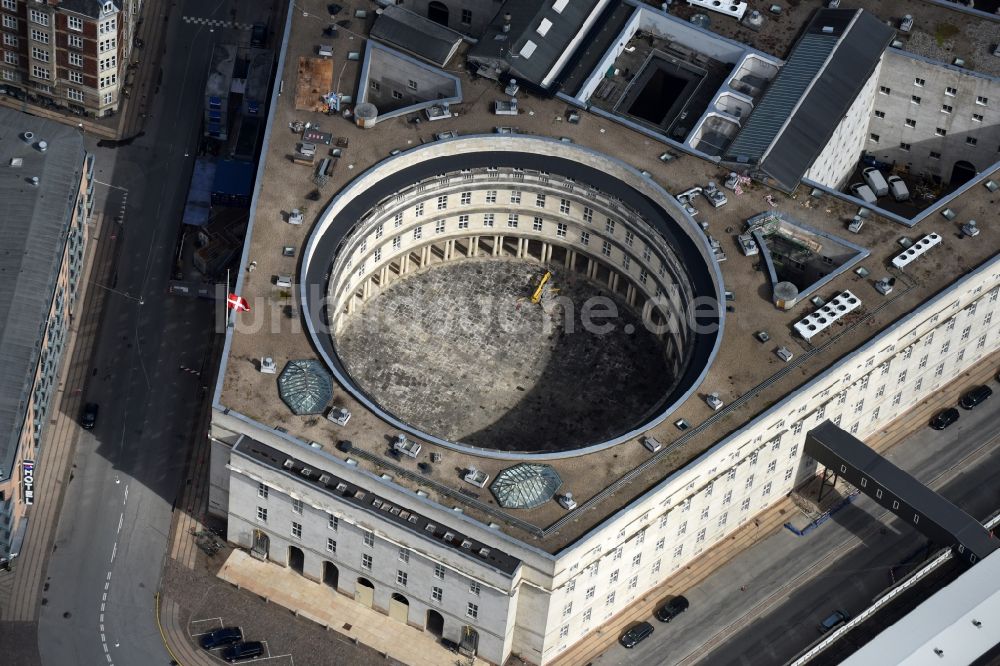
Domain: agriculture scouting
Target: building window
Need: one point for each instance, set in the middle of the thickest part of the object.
(74, 23)
(404, 555)
(722, 518)
(946, 108)
(75, 77)
(40, 36)
(564, 205)
(75, 59)
(919, 82)
(297, 530)
(589, 594)
(109, 98)
(74, 94)
(767, 489)
(109, 80)
(585, 237)
(873, 138)
(884, 90)
(904, 146)
(571, 585)
(466, 198)
(331, 545)
(39, 72)
(396, 242)
(106, 44)
(512, 220)
(488, 220)
(606, 248)
(108, 26)
(950, 92)
(745, 506)
(109, 63)
(914, 99)
(375, 85)
(439, 227)
(9, 22)
(971, 140)
(397, 95)
(41, 18)
(536, 224)
(466, 16)
(411, 84)
(463, 221)
(474, 588)
(561, 230)
(439, 571)
(613, 578)
(910, 122)
(10, 57)
(418, 233)
(879, 114)
(297, 506)
(9, 39)
(262, 514)
(366, 562)
(977, 117)
(491, 196)
(515, 196)
(262, 490)
(540, 200)
(401, 578)
(369, 538)
(472, 610)
(636, 560)
(332, 522)
(442, 202)
(610, 599)
(10, 4)
(437, 594)
(935, 155)
(982, 101)
(701, 536)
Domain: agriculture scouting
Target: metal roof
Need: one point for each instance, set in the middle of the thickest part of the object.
(525, 486)
(797, 115)
(34, 227)
(305, 386)
(91, 8)
(523, 49)
(415, 34)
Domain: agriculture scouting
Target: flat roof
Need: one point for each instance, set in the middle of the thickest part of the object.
(34, 227)
(602, 483)
(415, 34)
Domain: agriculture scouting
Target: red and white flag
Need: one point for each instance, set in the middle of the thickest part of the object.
(237, 303)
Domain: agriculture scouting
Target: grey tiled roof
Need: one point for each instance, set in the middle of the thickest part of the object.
(33, 225)
(415, 34)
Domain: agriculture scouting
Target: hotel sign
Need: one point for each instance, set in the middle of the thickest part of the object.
(28, 480)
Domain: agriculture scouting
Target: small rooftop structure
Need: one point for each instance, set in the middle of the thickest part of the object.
(397, 84)
(525, 486)
(305, 386)
(416, 35)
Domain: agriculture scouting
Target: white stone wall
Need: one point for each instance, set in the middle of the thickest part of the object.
(919, 147)
(840, 156)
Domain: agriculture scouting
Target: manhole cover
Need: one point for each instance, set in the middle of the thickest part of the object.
(347, 627)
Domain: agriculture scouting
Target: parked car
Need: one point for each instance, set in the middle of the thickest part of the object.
(833, 620)
(258, 35)
(863, 192)
(243, 651)
(449, 645)
(944, 419)
(88, 417)
(875, 180)
(672, 609)
(222, 637)
(636, 634)
(898, 189)
(975, 396)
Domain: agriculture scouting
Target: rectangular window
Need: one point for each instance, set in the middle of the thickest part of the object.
(418, 210)
(472, 610)
(788, 473)
(10, 4)
(904, 146)
(9, 22)
(331, 545)
(332, 522)
(919, 82)
(935, 155)
(982, 101)
(9, 39)
(540, 200)
(437, 594)
(109, 80)
(884, 90)
(606, 248)
(491, 196)
(40, 36)
(727, 498)
(873, 138)
(109, 98)
(585, 237)
(474, 588)
(262, 490)
(629, 238)
(971, 140)
(74, 94)
(636, 559)
(515, 196)
(404, 555)
(633, 582)
(41, 18)
(369, 538)
(466, 16)
(588, 214)
(914, 99)
(75, 59)
(589, 594)
(396, 242)
(74, 23)
(463, 221)
(262, 514)
(749, 482)
(564, 205)
(910, 122)
(512, 220)
(746, 505)
(442, 202)
(613, 578)
(946, 108)
(297, 530)
(297, 506)
(767, 489)
(950, 92)
(561, 230)
(466, 198)
(879, 114)
(397, 220)
(39, 72)
(586, 616)
(397, 95)
(10, 57)
(940, 131)
(609, 226)
(418, 233)
(701, 536)
(610, 599)
(439, 571)
(488, 219)
(401, 578)
(107, 44)
(366, 561)
(411, 84)
(977, 117)
(536, 224)
(439, 227)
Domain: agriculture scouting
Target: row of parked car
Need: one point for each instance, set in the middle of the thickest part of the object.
(664, 613)
(968, 401)
(234, 647)
(876, 186)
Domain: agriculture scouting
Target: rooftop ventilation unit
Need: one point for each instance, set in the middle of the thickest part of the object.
(566, 501)
(903, 259)
(16, 161)
(34, 181)
(267, 366)
(28, 137)
(295, 217)
(406, 446)
(42, 146)
(734, 8)
(824, 317)
(476, 477)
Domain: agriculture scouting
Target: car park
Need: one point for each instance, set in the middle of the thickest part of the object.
(833, 620)
(221, 638)
(636, 634)
(88, 417)
(243, 651)
(975, 397)
(944, 419)
(672, 609)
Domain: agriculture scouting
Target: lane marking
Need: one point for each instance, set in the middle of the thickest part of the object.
(121, 518)
(126, 494)
(109, 575)
(113, 551)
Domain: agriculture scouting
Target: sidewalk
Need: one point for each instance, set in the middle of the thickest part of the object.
(21, 589)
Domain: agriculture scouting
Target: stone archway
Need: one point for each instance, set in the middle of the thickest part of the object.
(438, 12)
(470, 641)
(962, 172)
(399, 608)
(364, 592)
(434, 623)
(331, 575)
(296, 559)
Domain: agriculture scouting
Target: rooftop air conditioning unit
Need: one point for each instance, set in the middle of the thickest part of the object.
(295, 217)
(825, 316)
(267, 366)
(566, 501)
(916, 250)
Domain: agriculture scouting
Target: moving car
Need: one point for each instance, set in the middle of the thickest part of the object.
(243, 651)
(944, 419)
(222, 637)
(863, 192)
(833, 620)
(975, 396)
(875, 180)
(671, 609)
(88, 418)
(636, 634)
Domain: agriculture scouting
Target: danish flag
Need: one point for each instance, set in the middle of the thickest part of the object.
(237, 303)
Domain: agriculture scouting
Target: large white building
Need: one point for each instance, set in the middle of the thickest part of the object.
(407, 534)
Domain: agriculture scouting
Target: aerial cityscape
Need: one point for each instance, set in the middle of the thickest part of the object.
(499, 332)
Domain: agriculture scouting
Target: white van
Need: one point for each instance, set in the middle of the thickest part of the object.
(863, 192)
(898, 188)
(876, 181)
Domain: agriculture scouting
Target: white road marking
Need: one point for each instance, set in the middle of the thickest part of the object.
(126, 494)
(113, 551)
(121, 518)
(109, 575)
(104, 597)
(106, 584)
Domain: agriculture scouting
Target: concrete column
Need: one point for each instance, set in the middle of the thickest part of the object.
(647, 308)
(473, 249)
(497, 241)
(571, 254)
(383, 276)
(592, 269)
(613, 281)
(520, 248)
(630, 294)
(404, 264)
(366, 289)
(568, 259)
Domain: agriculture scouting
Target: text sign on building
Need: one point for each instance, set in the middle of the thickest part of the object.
(28, 480)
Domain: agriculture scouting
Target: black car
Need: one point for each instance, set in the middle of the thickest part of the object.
(243, 651)
(672, 609)
(221, 637)
(258, 35)
(975, 396)
(88, 418)
(944, 419)
(833, 620)
(636, 634)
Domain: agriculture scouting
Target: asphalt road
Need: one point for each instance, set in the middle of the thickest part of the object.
(792, 582)
(112, 535)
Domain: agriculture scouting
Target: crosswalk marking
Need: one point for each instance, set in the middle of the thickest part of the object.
(216, 23)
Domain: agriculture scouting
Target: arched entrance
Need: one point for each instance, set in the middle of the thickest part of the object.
(296, 559)
(438, 12)
(330, 574)
(261, 545)
(962, 172)
(399, 607)
(435, 622)
(470, 641)
(364, 592)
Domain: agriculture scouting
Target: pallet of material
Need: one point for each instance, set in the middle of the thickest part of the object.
(315, 79)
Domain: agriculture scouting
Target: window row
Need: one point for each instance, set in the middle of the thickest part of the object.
(948, 91)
